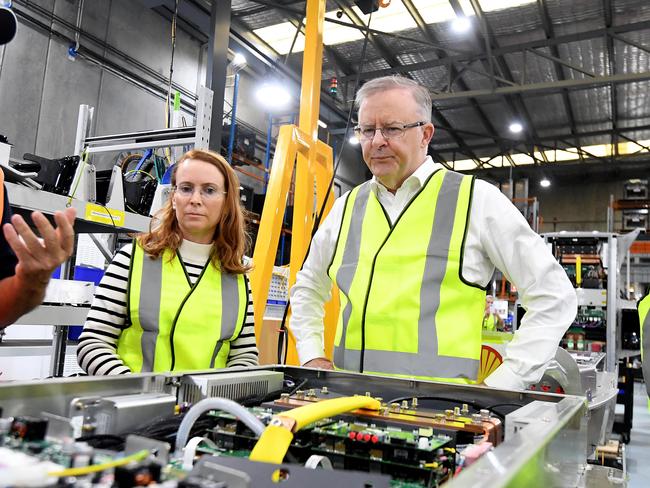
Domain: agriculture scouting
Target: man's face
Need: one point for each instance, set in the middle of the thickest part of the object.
(395, 159)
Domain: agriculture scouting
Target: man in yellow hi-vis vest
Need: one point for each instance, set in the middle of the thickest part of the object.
(644, 322)
(412, 251)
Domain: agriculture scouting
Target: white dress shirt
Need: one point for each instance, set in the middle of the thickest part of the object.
(498, 236)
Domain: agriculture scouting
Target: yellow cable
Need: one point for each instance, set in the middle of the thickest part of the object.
(309, 414)
(272, 445)
(276, 438)
(94, 468)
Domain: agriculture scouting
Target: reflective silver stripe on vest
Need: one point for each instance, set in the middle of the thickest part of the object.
(426, 362)
(229, 310)
(345, 274)
(149, 307)
(645, 347)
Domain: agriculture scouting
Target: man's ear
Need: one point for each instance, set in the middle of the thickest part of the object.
(427, 134)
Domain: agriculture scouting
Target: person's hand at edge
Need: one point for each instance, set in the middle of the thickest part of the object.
(37, 258)
(320, 363)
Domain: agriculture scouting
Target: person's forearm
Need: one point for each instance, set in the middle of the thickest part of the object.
(17, 298)
(307, 322)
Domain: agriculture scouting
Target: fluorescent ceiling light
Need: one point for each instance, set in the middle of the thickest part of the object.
(461, 24)
(272, 95)
(516, 127)
(353, 140)
(238, 61)
(545, 183)
(394, 18)
(322, 124)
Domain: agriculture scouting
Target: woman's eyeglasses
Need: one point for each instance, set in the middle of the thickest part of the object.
(207, 192)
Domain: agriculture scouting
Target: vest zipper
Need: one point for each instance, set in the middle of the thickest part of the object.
(374, 261)
(180, 308)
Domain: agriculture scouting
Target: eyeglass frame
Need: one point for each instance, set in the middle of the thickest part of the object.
(403, 127)
(219, 193)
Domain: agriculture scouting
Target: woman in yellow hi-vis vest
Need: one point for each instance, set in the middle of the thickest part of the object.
(178, 297)
(644, 322)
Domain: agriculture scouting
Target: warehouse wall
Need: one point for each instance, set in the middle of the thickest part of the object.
(41, 89)
(580, 207)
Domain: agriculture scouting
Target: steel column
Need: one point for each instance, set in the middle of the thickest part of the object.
(217, 66)
(233, 119)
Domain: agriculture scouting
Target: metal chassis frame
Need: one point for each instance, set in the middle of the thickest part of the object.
(613, 279)
(552, 451)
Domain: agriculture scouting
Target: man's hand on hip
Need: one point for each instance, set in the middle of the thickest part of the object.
(320, 363)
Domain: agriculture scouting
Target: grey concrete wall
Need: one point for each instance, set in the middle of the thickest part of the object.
(21, 86)
(41, 88)
(577, 207)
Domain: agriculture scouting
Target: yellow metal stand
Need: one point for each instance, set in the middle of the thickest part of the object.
(314, 169)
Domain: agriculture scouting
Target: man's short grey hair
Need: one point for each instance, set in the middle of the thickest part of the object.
(419, 92)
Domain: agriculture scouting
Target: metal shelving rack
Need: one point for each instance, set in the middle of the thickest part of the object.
(197, 135)
(90, 218)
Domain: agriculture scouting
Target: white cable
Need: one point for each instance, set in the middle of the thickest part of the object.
(189, 452)
(315, 461)
(228, 406)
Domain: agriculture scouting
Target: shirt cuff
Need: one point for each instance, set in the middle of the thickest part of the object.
(310, 350)
(504, 377)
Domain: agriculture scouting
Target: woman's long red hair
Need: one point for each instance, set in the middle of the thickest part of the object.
(230, 240)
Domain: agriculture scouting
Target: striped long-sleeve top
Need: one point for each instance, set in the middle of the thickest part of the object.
(107, 318)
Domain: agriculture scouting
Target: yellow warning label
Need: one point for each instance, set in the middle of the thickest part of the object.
(104, 215)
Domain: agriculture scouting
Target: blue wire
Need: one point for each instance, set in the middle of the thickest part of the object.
(147, 155)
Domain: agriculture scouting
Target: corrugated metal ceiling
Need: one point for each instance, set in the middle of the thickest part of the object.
(508, 49)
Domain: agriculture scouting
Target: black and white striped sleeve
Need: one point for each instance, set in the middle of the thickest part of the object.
(243, 350)
(97, 349)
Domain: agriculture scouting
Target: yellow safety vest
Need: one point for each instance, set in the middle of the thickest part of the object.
(490, 322)
(644, 322)
(175, 326)
(405, 308)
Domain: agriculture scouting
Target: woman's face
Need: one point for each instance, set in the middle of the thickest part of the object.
(198, 199)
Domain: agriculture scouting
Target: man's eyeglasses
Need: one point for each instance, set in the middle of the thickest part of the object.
(396, 131)
(207, 192)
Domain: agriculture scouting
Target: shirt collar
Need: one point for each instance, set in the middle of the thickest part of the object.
(417, 179)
